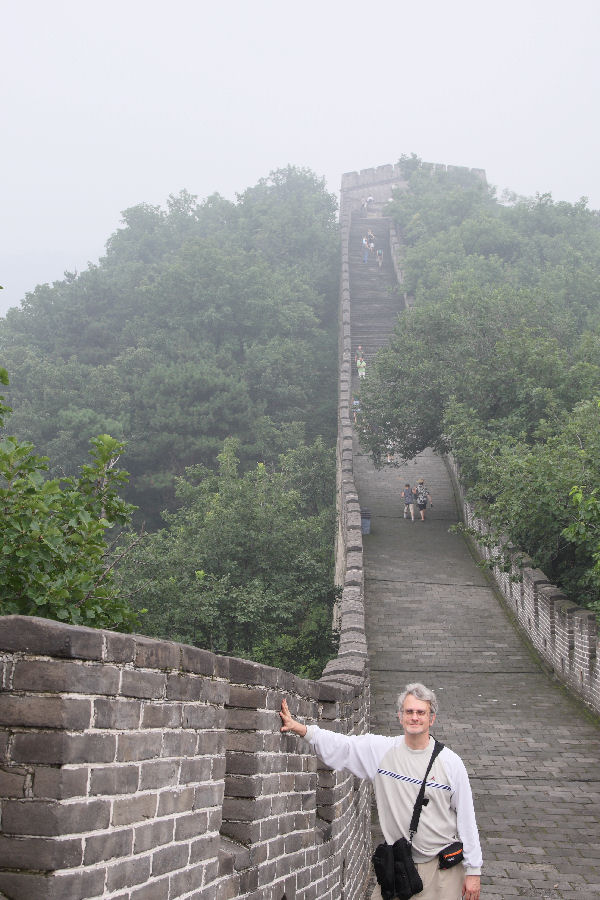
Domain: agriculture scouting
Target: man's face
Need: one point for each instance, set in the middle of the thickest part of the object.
(416, 717)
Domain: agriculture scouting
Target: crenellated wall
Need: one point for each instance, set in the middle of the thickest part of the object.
(378, 182)
(564, 634)
(138, 768)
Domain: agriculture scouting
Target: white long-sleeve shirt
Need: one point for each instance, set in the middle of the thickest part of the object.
(397, 772)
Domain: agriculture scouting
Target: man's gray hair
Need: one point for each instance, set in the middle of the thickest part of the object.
(421, 692)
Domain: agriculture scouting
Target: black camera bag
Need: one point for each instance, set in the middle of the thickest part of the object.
(394, 866)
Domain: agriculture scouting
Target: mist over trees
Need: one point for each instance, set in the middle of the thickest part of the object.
(499, 362)
(202, 321)
(206, 341)
(245, 564)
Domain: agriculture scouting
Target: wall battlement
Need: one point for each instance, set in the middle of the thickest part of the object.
(379, 181)
(565, 635)
(141, 768)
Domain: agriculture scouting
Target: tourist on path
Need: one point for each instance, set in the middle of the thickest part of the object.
(397, 767)
(408, 495)
(361, 365)
(423, 497)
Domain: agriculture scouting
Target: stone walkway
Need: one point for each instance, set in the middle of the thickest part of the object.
(532, 752)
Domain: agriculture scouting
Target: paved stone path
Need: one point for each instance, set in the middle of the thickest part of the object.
(532, 752)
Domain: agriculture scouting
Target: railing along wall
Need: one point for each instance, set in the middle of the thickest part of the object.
(564, 634)
(141, 769)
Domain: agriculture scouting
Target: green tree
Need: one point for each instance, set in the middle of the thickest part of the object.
(584, 534)
(202, 320)
(524, 491)
(245, 565)
(54, 559)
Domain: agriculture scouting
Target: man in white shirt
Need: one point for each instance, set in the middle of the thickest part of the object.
(396, 766)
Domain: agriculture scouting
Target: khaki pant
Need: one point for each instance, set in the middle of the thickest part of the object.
(438, 884)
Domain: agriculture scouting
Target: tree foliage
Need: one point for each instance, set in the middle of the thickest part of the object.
(525, 491)
(203, 320)
(54, 558)
(245, 566)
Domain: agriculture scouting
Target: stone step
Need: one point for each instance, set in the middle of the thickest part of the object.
(375, 298)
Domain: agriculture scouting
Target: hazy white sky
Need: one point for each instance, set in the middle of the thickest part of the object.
(108, 104)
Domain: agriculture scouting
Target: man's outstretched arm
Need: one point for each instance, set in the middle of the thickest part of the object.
(359, 754)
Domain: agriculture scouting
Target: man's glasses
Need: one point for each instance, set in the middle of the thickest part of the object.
(415, 712)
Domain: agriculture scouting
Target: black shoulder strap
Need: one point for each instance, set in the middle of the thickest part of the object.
(414, 822)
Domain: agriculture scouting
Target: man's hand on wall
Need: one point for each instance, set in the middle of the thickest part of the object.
(290, 724)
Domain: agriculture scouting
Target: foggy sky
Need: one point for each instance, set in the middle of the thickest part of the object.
(113, 103)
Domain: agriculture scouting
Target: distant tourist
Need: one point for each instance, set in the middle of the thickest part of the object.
(361, 366)
(380, 257)
(408, 495)
(423, 497)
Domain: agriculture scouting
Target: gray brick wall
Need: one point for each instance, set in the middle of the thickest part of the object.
(164, 774)
(565, 635)
(378, 182)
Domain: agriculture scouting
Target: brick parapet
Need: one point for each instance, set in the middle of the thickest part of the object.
(564, 634)
(379, 181)
(134, 767)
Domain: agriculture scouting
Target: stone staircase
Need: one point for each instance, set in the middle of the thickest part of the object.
(375, 296)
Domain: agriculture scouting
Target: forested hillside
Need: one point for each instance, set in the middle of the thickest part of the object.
(499, 361)
(204, 320)
(206, 341)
